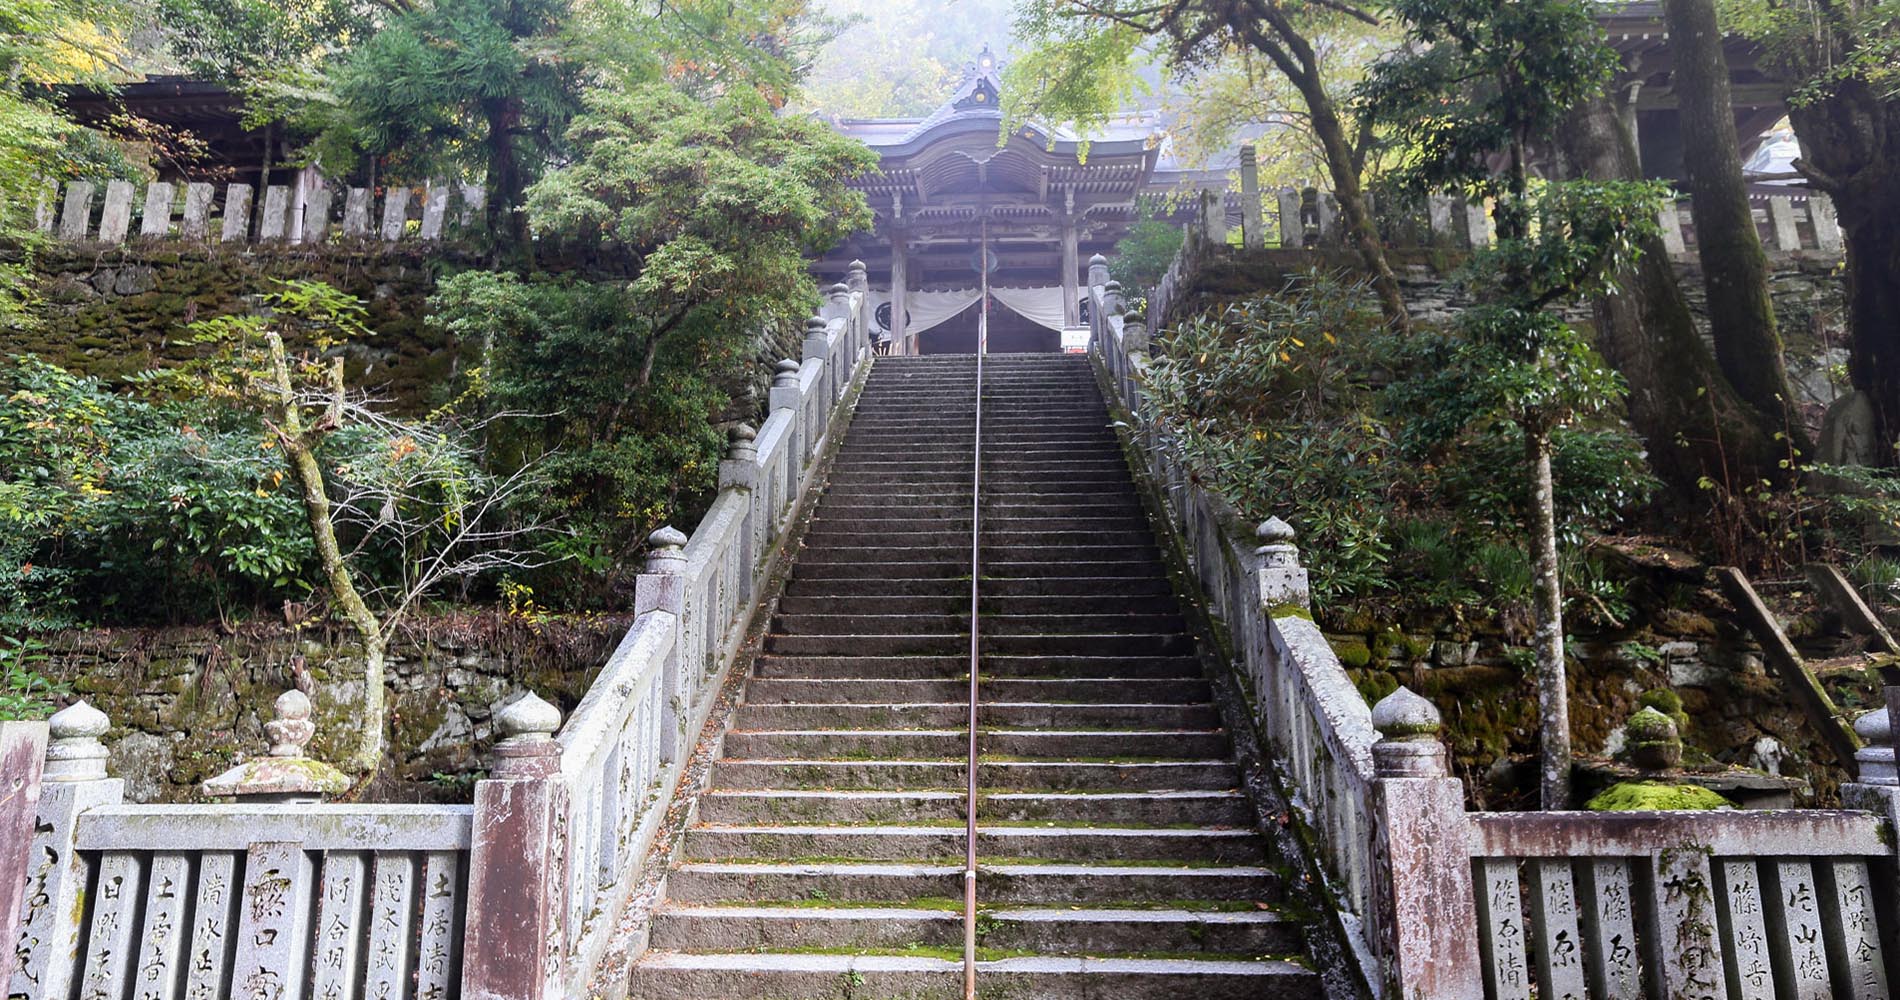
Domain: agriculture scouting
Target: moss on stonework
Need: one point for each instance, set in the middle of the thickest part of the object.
(1650, 796)
(1353, 655)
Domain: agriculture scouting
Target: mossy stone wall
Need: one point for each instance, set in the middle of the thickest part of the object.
(113, 311)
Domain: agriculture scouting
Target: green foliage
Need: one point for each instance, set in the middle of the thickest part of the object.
(1143, 256)
(711, 209)
(117, 508)
(1294, 404)
(24, 692)
(1822, 46)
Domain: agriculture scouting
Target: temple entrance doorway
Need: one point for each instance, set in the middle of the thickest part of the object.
(1010, 333)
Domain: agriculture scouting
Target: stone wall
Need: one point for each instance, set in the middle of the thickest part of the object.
(1480, 676)
(186, 702)
(113, 311)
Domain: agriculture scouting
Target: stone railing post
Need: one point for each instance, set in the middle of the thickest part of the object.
(22, 755)
(1253, 233)
(785, 395)
(739, 470)
(1283, 580)
(817, 346)
(1427, 917)
(662, 587)
(73, 781)
(286, 774)
(514, 943)
(1098, 270)
(1876, 787)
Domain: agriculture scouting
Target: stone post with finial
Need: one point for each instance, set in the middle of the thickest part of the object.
(22, 756)
(286, 774)
(817, 346)
(1283, 582)
(662, 587)
(1426, 909)
(1876, 785)
(72, 781)
(1098, 270)
(786, 395)
(517, 873)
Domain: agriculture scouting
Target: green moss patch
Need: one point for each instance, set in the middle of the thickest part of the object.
(1651, 796)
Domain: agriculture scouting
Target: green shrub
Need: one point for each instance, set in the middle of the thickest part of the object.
(1297, 404)
(24, 693)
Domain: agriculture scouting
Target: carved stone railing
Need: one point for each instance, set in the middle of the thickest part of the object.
(589, 814)
(233, 900)
(1438, 903)
(1305, 705)
(81, 212)
(516, 896)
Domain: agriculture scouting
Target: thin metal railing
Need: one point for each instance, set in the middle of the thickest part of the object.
(976, 507)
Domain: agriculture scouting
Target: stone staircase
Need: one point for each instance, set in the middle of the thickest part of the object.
(1118, 857)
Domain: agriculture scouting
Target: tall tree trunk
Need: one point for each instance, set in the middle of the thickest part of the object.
(296, 441)
(1850, 142)
(1690, 418)
(1553, 693)
(1292, 54)
(1362, 232)
(506, 185)
(1734, 268)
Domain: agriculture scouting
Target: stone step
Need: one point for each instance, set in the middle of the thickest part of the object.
(875, 621)
(759, 806)
(1097, 644)
(729, 882)
(1051, 586)
(942, 715)
(996, 537)
(1098, 571)
(1054, 555)
(913, 843)
(1057, 931)
(854, 509)
(948, 773)
(958, 603)
(949, 744)
(724, 976)
(957, 665)
(767, 690)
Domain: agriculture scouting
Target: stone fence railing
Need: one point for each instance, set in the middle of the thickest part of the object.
(1438, 903)
(281, 895)
(82, 213)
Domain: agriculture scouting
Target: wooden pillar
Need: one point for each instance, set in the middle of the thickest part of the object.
(1071, 262)
(900, 297)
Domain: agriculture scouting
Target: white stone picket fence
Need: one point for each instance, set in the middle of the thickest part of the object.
(300, 213)
(1438, 903)
(279, 896)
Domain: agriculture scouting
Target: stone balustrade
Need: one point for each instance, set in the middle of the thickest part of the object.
(516, 896)
(83, 212)
(1440, 903)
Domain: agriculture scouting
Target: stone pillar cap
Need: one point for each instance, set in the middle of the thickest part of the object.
(73, 750)
(1875, 727)
(1098, 259)
(528, 717)
(1274, 531)
(286, 774)
(1403, 715)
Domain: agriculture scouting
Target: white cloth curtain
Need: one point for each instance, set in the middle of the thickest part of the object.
(928, 309)
(1041, 306)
